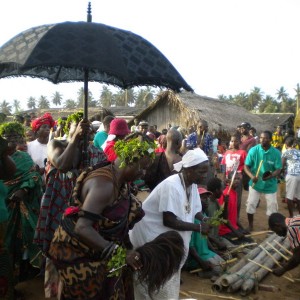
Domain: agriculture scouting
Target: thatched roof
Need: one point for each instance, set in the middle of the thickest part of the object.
(275, 119)
(193, 107)
(119, 111)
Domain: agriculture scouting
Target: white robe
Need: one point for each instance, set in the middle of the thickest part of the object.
(168, 196)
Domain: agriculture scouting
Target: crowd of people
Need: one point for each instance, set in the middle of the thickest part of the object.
(70, 211)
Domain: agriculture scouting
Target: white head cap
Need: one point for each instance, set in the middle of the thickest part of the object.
(190, 159)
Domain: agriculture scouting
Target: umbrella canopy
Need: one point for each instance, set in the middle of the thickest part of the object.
(64, 52)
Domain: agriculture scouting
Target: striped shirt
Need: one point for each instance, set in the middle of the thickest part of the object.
(293, 231)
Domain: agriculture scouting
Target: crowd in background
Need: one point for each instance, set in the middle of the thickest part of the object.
(44, 161)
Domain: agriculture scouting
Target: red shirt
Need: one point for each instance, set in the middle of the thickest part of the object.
(232, 211)
(110, 151)
(230, 157)
(247, 143)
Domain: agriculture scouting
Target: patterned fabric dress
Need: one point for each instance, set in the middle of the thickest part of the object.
(59, 188)
(6, 273)
(83, 273)
(23, 215)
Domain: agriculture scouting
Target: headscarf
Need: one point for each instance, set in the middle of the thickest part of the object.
(45, 119)
(190, 159)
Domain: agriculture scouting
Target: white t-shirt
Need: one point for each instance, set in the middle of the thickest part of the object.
(170, 196)
(38, 152)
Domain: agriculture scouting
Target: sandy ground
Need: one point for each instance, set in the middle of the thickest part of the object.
(192, 284)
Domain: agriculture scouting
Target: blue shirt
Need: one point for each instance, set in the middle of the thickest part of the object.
(191, 140)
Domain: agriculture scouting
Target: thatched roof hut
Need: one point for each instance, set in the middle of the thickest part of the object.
(185, 109)
(286, 120)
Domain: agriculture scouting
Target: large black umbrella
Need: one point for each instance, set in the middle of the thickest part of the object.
(86, 51)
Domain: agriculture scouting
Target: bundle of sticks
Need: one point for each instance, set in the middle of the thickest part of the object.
(254, 266)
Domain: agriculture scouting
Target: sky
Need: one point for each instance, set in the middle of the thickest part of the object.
(218, 46)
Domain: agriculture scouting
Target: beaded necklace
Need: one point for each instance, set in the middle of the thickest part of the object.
(187, 205)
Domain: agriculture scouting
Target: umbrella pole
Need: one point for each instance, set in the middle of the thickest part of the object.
(85, 117)
(85, 102)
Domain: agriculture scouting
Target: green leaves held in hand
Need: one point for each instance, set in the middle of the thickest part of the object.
(216, 219)
(116, 262)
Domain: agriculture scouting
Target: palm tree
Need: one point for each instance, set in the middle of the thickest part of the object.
(242, 100)
(255, 97)
(43, 102)
(31, 103)
(70, 104)
(120, 98)
(5, 107)
(80, 98)
(106, 97)
(144, 97)
(297, 96)
(16, 105)
(282, 96)
(57, 98)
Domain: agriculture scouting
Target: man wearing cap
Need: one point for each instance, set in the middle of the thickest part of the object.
(263, 164)
(117, 131)
(247, 140)
(173, 205)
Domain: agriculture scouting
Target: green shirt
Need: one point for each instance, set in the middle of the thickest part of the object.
(100, 138)
(3, 209)
(271, 162)
(199, 242)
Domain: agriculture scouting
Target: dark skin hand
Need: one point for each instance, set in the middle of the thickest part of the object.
(66, 156)
(292, 263)
(255, 178)
(205, 265)
(170, 220)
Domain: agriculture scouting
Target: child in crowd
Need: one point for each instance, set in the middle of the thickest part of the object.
(215, 187)
(233, 161)
(200, 253)
(232, 230)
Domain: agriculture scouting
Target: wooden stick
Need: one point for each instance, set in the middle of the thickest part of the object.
(50, 135)
(282, 255)
(214, 295)
(195, 271)
(270, 255)
(183, 293)
(268, 269)
(229, 261)
(282, 247)
(253, 234)
(231, 183)
(268, 288)
(241, 247)
(274, 259)
(257, 172)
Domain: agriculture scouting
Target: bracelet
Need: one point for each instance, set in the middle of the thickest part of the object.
(200, 227)
(108, 250)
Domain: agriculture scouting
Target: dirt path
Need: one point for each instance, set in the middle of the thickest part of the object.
(33, 290)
